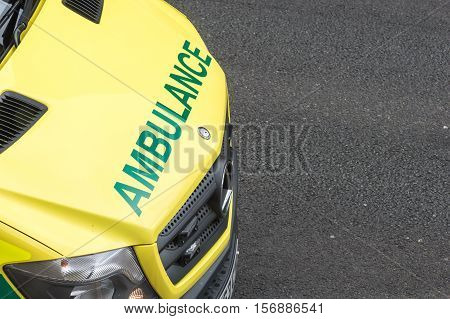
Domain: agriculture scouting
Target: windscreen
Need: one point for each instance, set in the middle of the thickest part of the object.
(11, 11)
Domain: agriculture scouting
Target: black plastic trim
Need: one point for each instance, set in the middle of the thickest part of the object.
(178, 253)
(213, 282)
(176, 272)
(193, 204)
(18, 114)
(90, 9)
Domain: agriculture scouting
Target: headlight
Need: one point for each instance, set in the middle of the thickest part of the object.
(111, 275)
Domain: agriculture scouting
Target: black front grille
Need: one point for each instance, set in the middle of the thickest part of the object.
(17, 115)
(204, 188)
(209, 226)
(90, 9)
(196, 225)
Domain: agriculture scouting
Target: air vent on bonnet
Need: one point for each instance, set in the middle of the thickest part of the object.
(17, 115)
(90, 9)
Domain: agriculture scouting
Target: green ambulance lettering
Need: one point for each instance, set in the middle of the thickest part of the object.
(192, 66)
(140, 176)
(131, 195)
(157, 143)
(186, 79)
(173, 136)
(182, 117)
(181, 95)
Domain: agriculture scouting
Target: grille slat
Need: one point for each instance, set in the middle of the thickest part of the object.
(19, 103)
(9, 113)
(8, 130)
(89, 9)
(20, 108)
(17, 115)
(87, 5)
(13, 118)
(12, 123)
(6, 137)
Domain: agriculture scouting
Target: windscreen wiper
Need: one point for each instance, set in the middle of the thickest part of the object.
(23, 20)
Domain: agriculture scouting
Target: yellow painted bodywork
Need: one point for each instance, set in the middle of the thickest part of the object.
(100, 83)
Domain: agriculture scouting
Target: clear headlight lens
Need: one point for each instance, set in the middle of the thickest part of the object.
(115, 274)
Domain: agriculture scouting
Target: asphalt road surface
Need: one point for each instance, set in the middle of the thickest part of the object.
(366, 212)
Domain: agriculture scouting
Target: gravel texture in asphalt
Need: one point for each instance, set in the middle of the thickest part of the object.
(364, 211)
